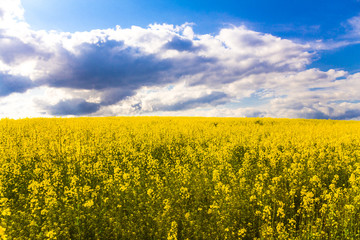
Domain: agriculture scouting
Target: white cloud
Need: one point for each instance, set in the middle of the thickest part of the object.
(12, 20)
(355, 24)
(350, 37)
(11, 10)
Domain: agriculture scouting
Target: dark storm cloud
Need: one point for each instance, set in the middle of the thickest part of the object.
(12, 84)
(181, 45)
(73, 107)
(107, 65)
(213, 99)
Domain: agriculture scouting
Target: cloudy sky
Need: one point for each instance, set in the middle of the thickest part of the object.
(259, 58)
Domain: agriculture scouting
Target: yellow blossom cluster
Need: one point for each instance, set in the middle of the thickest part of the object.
(179, 178)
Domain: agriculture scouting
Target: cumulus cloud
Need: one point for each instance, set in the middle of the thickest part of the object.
(14, 51)
(13, 84)
(181, 44)
(166, 69)
(12, 18)
(11, 10)
(74, 106)
(119, 62)
(106, 65)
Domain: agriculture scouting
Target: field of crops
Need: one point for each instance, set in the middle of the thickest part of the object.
(179, 178)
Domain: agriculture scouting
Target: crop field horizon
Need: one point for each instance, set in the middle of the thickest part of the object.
(179, 178)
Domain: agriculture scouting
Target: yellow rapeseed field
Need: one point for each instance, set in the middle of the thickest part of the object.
(179, 178)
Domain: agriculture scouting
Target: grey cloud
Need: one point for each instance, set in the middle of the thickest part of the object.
(315, 107)
(190, 66)
(181, 45)
(117, 71)
(255, 114)
(216, 75)
(348, 114)
(315, 114)
(251, 40)
(112, 96)
(13, 49)
(213, 99)
(73, 107)
(137, 106)
(107, 65)
(12, 84)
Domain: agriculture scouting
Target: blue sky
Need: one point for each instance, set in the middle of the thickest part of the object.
(322, 19)
(296, 59)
